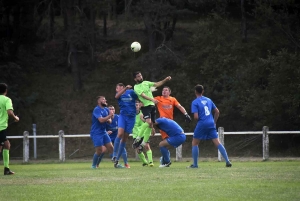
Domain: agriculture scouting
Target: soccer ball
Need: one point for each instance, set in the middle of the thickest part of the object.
(135, 46)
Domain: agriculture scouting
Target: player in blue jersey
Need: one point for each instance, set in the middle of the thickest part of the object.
(126, 99)
(207, 114)
(101, 140)
(175, 139)
(112, 130)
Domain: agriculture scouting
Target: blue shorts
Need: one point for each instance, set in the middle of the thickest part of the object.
(176, 140)
(101, 140)
(126, 122)
(201, 133)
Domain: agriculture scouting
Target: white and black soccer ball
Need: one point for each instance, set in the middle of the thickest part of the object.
(135, 46)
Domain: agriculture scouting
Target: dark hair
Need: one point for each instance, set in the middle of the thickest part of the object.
(167, 88)
(98, 97)
(199, 88)
(135, 73)
(3, 88)
(121, 84)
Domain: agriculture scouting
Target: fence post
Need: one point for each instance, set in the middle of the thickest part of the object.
(61, 146)
(221, 138)
(34, 141)
(265, 141)
(179, 153)
(25, 147)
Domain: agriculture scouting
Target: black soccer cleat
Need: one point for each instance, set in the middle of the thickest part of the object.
(228, 164)
(7, 171)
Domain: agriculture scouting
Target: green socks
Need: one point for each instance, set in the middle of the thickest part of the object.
(6, 157)
(142, 157)
(149, 156)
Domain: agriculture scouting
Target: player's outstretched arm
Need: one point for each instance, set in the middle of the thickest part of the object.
(158, 84)
(122, 91)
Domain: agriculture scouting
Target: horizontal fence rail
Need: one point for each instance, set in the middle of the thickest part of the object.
(221, 133)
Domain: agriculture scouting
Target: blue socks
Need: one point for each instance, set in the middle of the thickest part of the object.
(223, 152)
(95, 160)
(195, 155)
(100, 158)
(165, 153)
(124, 156)
(121, 150)
(116, 146)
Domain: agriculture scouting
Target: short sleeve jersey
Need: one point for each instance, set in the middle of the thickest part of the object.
(5, 104)
(166, 106)
(113, 126)
(204, 107)
(127, 102)
(169, 126)
(137, 124)
(144, 87)
(97, 127)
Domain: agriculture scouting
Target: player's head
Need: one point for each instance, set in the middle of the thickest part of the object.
(101, 101)
(3, 88)
(112, 108)
(199, 89)
(166, 91)
(137, 76)
(119, 87)
(138, 105)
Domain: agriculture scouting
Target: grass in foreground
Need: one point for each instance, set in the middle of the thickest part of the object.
(279, 180)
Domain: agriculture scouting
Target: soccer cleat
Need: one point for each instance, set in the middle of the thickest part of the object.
(151, 164)
(97, 166)
(192, 166)
(118, 165)
(93, 167)
(113, 159)
(165, 165)
(7, 171)
(127, 165)
(228, 164)
(145, 164)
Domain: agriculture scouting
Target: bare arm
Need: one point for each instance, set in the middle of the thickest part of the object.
(216, 114)
(11, 114)
(107, 118)
(148, 98)
(182, 110)
(196, 117)
(122, 91)
(158, 84)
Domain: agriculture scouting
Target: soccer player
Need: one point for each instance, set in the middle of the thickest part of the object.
(142, 89)
(175, 138)
(126, 99)
(112, 131)
(139, 121)
(165, 106)
(207, 114)
(99, 135)
(6, 110)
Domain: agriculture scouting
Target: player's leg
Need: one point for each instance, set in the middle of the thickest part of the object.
(128, 126)
(101, 156)
(195, 152)
(149, 154)
(98, 144)
(165, 153)
(5, 153)
(222, 150)
(121, 126)
(150, 116)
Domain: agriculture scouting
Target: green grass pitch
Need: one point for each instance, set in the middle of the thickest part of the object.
(271, 180)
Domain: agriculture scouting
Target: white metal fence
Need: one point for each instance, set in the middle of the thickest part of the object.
(61, 141)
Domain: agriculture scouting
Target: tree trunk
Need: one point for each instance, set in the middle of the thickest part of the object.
(72, 53)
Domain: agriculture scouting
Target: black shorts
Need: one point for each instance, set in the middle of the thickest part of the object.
(2, 137)
(149, 112)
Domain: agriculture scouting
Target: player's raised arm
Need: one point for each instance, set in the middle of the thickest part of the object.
(158, 84)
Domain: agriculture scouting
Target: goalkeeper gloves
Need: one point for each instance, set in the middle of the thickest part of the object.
(187, 118)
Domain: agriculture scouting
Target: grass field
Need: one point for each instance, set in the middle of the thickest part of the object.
(271, 180)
